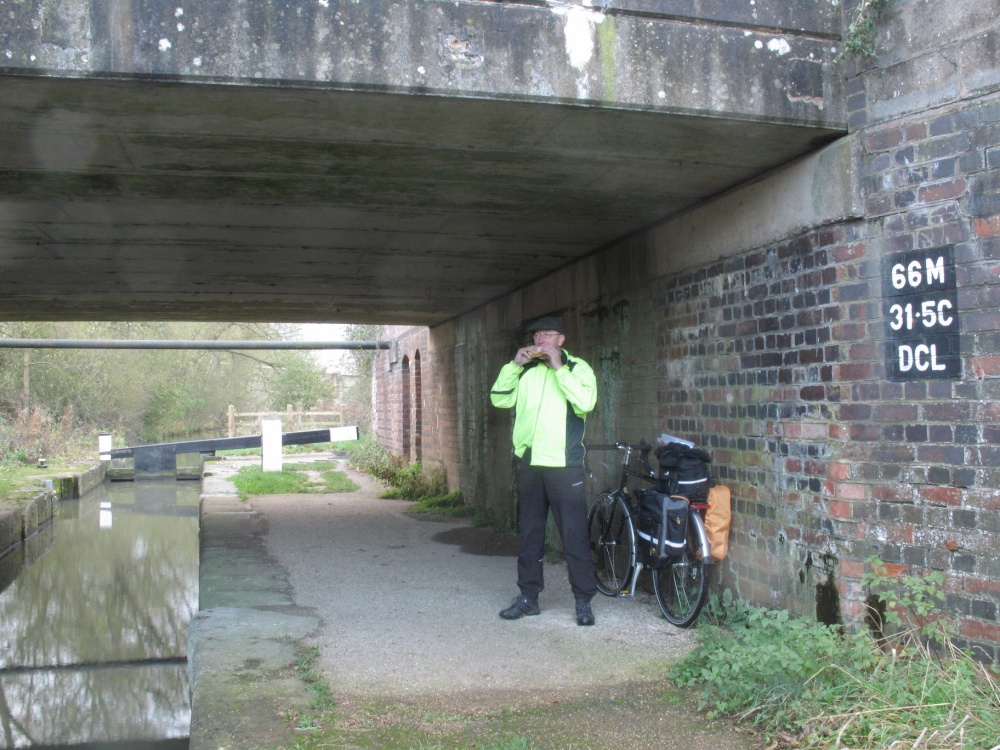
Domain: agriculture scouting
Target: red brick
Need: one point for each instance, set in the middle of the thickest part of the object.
(852, 568)
(942, 191)
(987, 227)
(841, 509)
(894, 493)
(902, 533)
(892, 570)
(855, 371)
(985, 366)
(839, 470)
(982, 631)
(976, 586)
(951, 496)
(848, 252)
(851, 491)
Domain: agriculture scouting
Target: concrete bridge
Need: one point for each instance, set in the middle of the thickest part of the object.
(393, 162)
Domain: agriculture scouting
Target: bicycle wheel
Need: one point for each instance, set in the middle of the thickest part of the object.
(612, 542)
(682, 588)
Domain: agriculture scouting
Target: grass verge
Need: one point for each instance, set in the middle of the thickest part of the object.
(808, 685)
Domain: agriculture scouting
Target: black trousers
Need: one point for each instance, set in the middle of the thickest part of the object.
(562, 490)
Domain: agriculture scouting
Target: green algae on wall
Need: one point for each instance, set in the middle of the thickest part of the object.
(607, 33)
(608, 370)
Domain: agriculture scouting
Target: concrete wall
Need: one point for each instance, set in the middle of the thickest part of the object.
(758, 326)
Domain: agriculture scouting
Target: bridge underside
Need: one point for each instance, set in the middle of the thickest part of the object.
(140, 189)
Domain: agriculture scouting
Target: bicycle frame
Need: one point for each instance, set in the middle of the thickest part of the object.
(646, 475)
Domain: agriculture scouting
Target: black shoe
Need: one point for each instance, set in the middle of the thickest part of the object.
(584, 614)
(521, 606)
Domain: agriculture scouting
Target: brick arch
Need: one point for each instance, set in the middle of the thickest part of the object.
(417, 409)
(404, 405)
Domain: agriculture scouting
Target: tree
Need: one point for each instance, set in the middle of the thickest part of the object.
(297, 379)
(138, 395)
(358, 400)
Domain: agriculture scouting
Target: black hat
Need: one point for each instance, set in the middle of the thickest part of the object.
(548, 323)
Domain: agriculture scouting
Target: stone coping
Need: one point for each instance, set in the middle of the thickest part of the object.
(242, 643)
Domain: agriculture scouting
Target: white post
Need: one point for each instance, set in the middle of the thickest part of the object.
(270, 444)
(104, 446)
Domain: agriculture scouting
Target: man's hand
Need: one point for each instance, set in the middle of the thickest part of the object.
(550, 355)
(524, 355)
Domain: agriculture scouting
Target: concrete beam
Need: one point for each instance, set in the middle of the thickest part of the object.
(741, 62)
(820, 189)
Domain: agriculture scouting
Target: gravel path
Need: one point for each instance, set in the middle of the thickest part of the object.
(409, 607)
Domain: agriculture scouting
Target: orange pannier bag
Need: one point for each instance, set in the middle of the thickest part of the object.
(718, 516)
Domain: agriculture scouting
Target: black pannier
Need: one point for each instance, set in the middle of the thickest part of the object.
(683, 471)
(662, 527)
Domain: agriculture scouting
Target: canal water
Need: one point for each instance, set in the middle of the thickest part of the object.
(94, 613)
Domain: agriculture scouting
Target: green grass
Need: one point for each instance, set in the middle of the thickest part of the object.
(312, 466)
(251, 480)
(19, 480)
(292, 479)
(337, 481)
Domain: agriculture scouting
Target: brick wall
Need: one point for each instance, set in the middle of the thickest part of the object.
(751, 352)
(401, 403)
(922, 454)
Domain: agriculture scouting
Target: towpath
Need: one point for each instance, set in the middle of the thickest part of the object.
(402, 610)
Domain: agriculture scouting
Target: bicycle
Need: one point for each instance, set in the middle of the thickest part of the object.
(681, 583)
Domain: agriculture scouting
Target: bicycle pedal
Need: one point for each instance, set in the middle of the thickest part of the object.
(624, 592)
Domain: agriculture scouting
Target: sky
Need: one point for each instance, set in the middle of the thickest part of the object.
(324, 332)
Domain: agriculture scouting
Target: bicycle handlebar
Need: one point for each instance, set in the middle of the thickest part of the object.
(643, 448)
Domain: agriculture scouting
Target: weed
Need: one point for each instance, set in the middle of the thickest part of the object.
(726, 609)
(906, 601)
(407, 481)
(816, 686)
(452, 504)
(321, 698)
(859, 41)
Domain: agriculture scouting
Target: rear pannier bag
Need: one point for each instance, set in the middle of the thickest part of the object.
(662, 527)
(683, 471)
(718, 517)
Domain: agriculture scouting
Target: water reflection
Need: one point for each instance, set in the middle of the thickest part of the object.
(95, 624)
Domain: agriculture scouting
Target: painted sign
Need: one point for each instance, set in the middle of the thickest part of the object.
(920, 305)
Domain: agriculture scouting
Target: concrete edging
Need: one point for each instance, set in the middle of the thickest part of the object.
(242, 643)
(22, 521)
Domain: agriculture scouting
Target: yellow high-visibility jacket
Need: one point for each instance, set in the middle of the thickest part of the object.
(551, 408)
